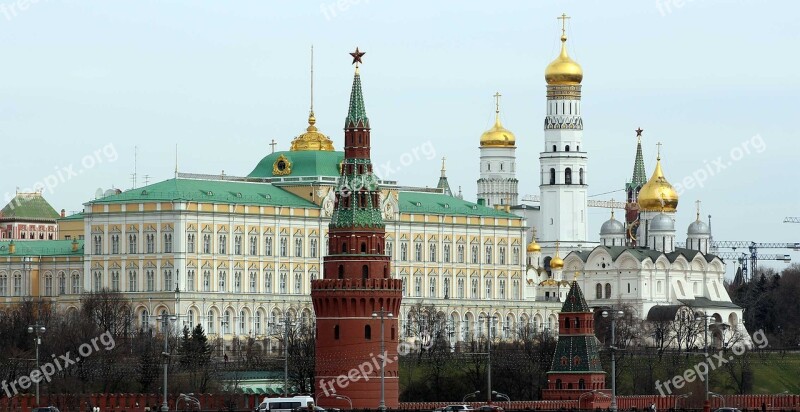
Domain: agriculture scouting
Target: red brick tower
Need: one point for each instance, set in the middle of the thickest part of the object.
(576, 372)
(356, 281)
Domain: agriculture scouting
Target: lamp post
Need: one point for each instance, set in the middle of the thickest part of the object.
(383, 315)
(613, 314)
(166, 322)
(697, 316)
(39, 331)
(679, 397)
(347, 398)
(501, 395)
(489, 320)
(470, 395)
(287, 322)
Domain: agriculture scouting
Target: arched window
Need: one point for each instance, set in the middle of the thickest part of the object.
(558, 383)
(344, 247)
(568, 176)
(580, 175)
(336, 332)
(566, 148)
(367, 332)
(364, 271)
(581, 384)
(608, 291)
(363, 247)
(598, 294)
(555, 148)
(552, 176)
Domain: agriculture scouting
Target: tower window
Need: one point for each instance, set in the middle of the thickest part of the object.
(580, 175)
(488, 167)
(577, 148)
(364, 271)
(566, 148)
(555, 148)
(552, 176)
(336, 332)
(501, 167)
(341, 272)
(363, 247)
(367, 332)
(568, 176)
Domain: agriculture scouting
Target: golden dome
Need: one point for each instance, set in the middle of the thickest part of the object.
(556, 263)
(657, 194)
(563, 70)
(533, 246)
(312, 139)
(497, 136)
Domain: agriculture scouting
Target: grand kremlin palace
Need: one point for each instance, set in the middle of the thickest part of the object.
(237, 254)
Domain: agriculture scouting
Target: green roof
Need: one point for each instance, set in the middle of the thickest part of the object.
(437, 203)
(357, 113)
(642, 253)
(302, 163)
(210, 191)
(574, 302)
(42, 248)
(29, 206)
(74, 216)
(639, 177)
(576, 354)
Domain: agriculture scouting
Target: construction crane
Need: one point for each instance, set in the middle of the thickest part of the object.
(790, 219)
(743, 259)
(753, 255)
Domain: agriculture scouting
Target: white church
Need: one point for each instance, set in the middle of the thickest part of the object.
(636, 264)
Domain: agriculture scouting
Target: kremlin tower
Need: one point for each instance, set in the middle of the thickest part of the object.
(632, 189)
(357, 284)
(576, 367)
(563, 164)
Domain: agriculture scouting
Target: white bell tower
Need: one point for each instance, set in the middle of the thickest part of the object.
(563, 161)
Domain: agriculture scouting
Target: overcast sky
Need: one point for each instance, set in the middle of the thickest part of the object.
(82, 83)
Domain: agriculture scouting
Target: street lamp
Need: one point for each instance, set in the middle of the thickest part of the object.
(287, 322)
(383, 314)
(166, 322)
(697, 316)
(721, 398)
(470, 395)
(614, 314)
(347, 398)
(501, 395)
(679, 397)
(39, 330)
(489, 319)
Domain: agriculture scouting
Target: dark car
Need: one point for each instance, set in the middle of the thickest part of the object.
(727, 410)
(45, 409)
(455, 408)
(489, 408)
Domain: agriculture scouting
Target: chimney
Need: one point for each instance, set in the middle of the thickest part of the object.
(63, 213)
(74, 245)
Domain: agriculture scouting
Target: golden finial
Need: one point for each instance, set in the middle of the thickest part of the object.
(497, 107)
(312, 82)
(563, 19)
(443, 166)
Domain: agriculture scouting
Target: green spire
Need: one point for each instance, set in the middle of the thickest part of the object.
(639, 175)
(575, 303)
(357, 115)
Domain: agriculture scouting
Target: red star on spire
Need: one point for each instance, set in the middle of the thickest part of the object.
(357, 56)
(639, 132)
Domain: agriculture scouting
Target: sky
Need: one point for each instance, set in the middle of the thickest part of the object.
(88, 86)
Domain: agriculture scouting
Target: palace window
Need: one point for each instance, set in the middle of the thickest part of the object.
(284, 247)
(475, 256)
(115, 244)
(252, 281)
(502, 255)
(206, 243)
(432, 252)
(268, 246)
(222, 275)
(253, 245)
(237, 281)
(168, 285)
(190, 239)
(206, 281)
(48, 285)
(608, 291)
(418, 251)
(237, 245)
(150, 243)
(18, 285)
(515, 255)
(488, 289)
(598, 291)
(446, 253)
(298, 283)
(150, 277)
(404, 251)
(460, 253)
(446, 289)
(488, 255)
(298, 247)
(114, 281)
(190, 286)
(432, 287)
(132, 244)
(460, 283)
(132, 281)
(283, 283)
(418, 286)
(98, 244)
(501, 288)
(223, 241)
(167, 242)
(475, 289)
(268, 281)
(312, 246)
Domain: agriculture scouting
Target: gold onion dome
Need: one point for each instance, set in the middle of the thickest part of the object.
(533, 246)
(657, 194)
(563, 70)
(556, 262)
(312, 139)
(497, 136)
